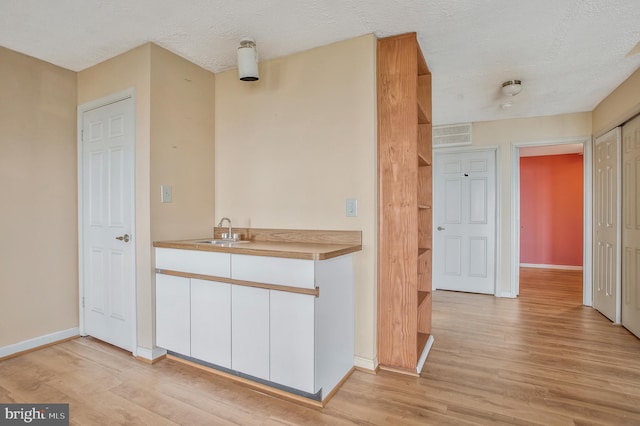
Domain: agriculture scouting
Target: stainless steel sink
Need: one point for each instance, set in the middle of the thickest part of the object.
(223, 243)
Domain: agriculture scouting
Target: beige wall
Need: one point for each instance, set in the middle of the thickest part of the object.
(182, 146)
(619, 106)
(174, 108)
(293, 146)
(502, 134)
(38, 254)
(182, 151)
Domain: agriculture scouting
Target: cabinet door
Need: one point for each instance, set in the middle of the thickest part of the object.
(173, 313)
(211, 322)
(250, 331)
(292, 340)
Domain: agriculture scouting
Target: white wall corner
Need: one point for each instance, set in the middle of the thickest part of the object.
(506, 294)
(151, 354)
(36, 342)
(366, 363)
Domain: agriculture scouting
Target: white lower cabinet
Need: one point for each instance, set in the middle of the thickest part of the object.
(173, 319)
(250, 331)
(291, 330)
(211, 322)
(287, 338)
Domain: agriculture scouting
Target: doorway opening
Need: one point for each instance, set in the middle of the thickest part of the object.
(551, 218)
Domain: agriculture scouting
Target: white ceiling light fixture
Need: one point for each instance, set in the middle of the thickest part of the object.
(248, 60)
(511, 87)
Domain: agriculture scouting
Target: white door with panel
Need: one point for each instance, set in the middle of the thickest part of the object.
(606, 196)
(465, 221)
(211, 322)
(108, 255)
(631, 226)
(250, 331)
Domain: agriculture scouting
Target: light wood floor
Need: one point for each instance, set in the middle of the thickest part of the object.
(541, 359)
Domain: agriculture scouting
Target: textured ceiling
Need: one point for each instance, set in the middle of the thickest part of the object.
(569, 54)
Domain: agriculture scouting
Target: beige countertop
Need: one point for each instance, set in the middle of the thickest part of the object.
(292, 250)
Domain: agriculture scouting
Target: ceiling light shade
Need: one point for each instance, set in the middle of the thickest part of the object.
(511, 87)
(248, 60)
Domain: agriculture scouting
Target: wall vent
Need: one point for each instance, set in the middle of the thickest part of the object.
(452, 135)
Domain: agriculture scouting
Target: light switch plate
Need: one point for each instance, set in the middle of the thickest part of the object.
(166, 193)
(352, 207)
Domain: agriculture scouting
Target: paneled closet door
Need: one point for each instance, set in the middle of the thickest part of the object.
(606, 225)
(631, 226)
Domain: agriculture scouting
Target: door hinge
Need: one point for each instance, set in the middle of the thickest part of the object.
(83, 301)
(82, 135)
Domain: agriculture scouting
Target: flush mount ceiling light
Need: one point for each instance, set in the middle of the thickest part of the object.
(248, 60)
(511, 87)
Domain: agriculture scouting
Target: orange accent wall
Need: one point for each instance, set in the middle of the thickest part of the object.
(551, 209)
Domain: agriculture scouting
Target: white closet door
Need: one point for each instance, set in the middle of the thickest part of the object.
(631, 226)
(606, 225)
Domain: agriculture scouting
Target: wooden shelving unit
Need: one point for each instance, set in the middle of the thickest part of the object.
(405, 195)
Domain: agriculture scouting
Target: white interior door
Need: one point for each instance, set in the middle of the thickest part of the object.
(606, 196)
(465, 221)
(107, 223)
(631, 226)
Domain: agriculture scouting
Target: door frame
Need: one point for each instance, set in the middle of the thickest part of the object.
(496, 150)
(587, 239)
(88, 106)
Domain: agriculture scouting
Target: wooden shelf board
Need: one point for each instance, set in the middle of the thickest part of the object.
(422, 251)
(423, 68)
(423, 118)
(422, 295)
(424, 99)
(423, 162)
(423, 207)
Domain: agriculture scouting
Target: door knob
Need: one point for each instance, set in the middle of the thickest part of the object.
(440, 228)
(124, 238)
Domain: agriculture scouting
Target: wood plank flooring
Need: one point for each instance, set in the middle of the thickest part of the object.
(541, 359)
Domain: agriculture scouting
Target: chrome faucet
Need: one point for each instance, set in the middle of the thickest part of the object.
(229, 236)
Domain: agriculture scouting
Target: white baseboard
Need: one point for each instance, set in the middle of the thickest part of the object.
(541, 266)
(506, 294)
(366, 363)
(150, 354)
(26, 345)
(425, 353)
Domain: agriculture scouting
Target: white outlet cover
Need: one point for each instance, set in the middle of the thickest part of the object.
(166, 193)
(352, 207)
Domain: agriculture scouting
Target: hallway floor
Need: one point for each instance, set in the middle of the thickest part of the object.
(541, 359)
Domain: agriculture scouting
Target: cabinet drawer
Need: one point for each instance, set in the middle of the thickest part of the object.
(273, 270)
(194, 261)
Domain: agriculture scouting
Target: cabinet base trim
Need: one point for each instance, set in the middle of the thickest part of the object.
(255, 382)
(398, 370)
